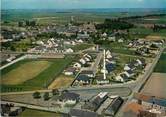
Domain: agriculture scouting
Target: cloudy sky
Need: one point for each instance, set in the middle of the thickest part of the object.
(75, 4)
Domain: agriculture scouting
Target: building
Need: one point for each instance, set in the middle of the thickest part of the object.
(110, 67)
(96, 102)
(69, 98)
(112, 109)
(83, 79)
(69, 50)
(129, 73)
(77, 65)
(122, 77)
(88, 73)
(132, 110)
(82, 61)
(129, 66)
(70, 71)
(101, 81)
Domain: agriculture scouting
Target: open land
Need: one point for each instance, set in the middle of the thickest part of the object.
(61, 81)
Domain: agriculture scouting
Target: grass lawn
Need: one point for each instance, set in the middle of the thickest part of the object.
(37, 81)
(38, 113)
(61, 81)
(161, 65)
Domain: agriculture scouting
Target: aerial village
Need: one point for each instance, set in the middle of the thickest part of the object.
(94, 68)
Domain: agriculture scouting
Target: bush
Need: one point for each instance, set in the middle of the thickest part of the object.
(55, 92)
(46, 96)
(36, 95)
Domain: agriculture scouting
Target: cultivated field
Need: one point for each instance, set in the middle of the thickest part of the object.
(24, 72)
(61, 81)
(156, 85)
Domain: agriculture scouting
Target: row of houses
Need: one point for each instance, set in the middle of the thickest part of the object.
(56, 46)
(129, 70)
(85, 60)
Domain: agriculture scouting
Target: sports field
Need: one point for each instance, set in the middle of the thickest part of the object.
(32, 74)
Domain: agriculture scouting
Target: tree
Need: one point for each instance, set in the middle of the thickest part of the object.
(55, 92)
(20, 23)
(36, 95)
(46, 96)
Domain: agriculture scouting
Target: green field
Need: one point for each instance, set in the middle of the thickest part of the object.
(119, 48)
(146, 31)
(81, 47)
(161, 65)
(38, 79)
(38, 113)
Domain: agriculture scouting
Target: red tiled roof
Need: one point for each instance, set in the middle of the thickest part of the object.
(134, 107)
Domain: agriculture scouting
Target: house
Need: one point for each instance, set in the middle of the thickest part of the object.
(77, 65)
(112, 109)
(122, 78)
(83, 35)
(120, 40)
(110, 67)
(111, 60)
(82, 113)
(132, 110)
(129, 73)
(83, 79)
(119, 78)
(104, 34)
(87, 59)
(80, 41)
(82, 61)
(10, 58)
(101, 81)
(112, 38)
(108, 54)
(129, 66)
(40, 42)
(88, 56)
(96, 101)
(69, 50)
(141, 62)
(88, 73)
(70, 71)
(69, 98)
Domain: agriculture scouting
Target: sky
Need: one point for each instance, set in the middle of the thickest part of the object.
(81, 4)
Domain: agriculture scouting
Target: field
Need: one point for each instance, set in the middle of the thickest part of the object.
(119, 48)
(39, 79)
(156, 85)
(24, 72)
(161, 65)
(81, 47)
(38, 113)
(61, 81)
